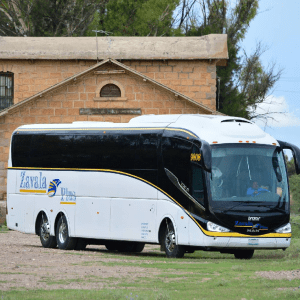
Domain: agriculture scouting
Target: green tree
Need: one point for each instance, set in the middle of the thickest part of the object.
(244, 82)
(290, 165)
(47, 17)
(135, 18)
(294, 182)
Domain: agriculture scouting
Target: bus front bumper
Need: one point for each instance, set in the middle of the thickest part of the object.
(247, 242)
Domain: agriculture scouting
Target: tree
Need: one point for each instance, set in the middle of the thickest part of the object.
(294, 184)
(47, 17)
(290, 165)
(135, 18)
(244, 82)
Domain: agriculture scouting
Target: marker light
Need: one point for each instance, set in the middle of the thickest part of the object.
(287, 228)
(217, 228)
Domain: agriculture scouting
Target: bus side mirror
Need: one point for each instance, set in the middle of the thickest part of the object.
(205, 151)
(296, 153)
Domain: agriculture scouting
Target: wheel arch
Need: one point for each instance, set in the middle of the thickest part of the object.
(58, 216)
(162, 228)
(38, 221)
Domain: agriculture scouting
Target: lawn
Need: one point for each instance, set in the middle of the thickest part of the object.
(273, 274)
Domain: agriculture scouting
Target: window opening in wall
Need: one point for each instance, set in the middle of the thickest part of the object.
(6, 89)
(110, 90)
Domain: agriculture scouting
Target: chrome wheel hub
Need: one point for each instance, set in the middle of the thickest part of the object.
(45, 231)
(170, 241)
(63, 233)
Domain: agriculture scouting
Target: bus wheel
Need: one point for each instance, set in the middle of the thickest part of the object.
(169, 240)
(47, 240)
(64, 241)
(244, 254)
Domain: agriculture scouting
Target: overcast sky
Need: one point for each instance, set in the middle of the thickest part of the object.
(277, 26)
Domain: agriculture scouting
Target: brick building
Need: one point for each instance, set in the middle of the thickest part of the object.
(61, 80)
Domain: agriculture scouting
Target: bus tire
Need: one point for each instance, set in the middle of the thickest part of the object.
(169, 239)
(243, 254)
(64, 241)
(46, 239)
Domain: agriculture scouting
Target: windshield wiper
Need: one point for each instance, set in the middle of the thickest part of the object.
(274, 208)
(236, 205)
(254, 204)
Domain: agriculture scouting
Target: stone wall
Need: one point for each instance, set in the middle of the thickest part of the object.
(195, 78)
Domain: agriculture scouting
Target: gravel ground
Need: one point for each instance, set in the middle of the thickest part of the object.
(24, 263)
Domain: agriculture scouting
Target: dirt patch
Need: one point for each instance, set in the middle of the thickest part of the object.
(278, 275)
(24, 263)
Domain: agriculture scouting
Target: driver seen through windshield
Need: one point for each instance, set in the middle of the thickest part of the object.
(255, 173)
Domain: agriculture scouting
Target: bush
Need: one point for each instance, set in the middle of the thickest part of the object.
(295, 193)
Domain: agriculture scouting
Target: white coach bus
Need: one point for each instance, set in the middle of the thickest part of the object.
(186, 182)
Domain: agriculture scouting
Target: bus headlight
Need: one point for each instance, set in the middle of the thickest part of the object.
(217, 228)
(285, 229)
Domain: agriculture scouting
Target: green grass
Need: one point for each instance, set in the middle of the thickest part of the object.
(295, 221)
(3, 229)
(201, 275)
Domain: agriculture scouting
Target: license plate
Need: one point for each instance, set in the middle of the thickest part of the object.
(253, 241)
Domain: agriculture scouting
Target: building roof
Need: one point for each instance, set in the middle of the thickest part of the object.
(87, 71)
(213, 46)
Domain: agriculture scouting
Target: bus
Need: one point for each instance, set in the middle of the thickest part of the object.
(185, 182)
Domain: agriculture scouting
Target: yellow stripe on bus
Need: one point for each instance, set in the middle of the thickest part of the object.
(206, 232)
(73, 203)
(34, 191)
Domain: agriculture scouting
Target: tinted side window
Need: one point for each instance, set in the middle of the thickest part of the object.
(51, 151)
(146, 157)
(86, 151)
(176, 158)
(92, 151)
(197, 177)
(117, 151)
(197, 186)
(20, 150)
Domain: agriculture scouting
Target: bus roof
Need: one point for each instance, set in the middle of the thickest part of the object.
(214, 129)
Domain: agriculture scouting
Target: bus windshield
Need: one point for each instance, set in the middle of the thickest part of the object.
(248, 173)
